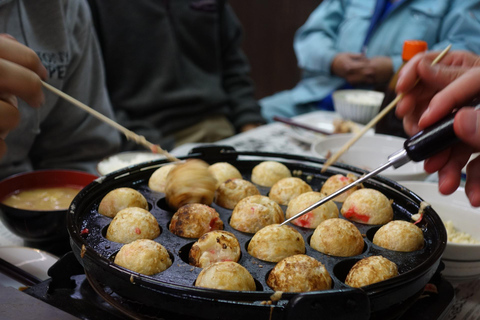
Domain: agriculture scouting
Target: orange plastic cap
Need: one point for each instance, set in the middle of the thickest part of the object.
(412, 47)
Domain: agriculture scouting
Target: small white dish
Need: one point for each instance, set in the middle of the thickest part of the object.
(125, 159)
(370, 152)
(462, 261)
(34, 261)
(322, 120)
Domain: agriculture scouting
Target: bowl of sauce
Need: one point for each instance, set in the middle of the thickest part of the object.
(33, 205)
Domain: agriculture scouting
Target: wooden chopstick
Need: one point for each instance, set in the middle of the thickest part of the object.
(374, 121)
(18, 274)
(300, 125)
(129, 134)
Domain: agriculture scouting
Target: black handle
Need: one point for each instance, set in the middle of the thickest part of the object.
(432, 140)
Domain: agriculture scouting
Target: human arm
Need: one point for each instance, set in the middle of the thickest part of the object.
(451, 84)
(245, 110)
(21, 72)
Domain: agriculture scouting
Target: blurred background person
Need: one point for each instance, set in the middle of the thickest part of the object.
(175, 70)
(358, 44)
(56, 134)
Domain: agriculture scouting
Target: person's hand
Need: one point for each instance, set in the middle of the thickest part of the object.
(21, 72)
(249, 126)
(450, 84)
(382, 69)
(353, 67)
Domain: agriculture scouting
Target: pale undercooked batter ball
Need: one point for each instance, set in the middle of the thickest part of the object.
(371, 270)
(286, 189)
(222, 171)
(214, 246)
(368, 206)
(267, 173)
(119, 199)
(131, 224)
(299, 273)
(195, 219)
(189, 182)
(144, 256)
(230, 192)
(338, 181)
(337, 237)
(255, 212)
(399, 235)
(226, 275)
(273, 243)
(313, 218)
(158, 178)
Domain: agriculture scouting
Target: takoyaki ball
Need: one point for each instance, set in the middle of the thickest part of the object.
(286, 189)
(273, 243)
(189, 182)
(255, 212)
(119, 199)
(194, 220)
(368, 206)
(371, 270)
(399, 235)
(131, 224)
(337, 237)
(214, 246)
(299, 273)
(230, 192)
(158, 179)
(267, 173)
(338, 181)
(222, 171)
(226, 275)
(313, 218)
(144, 256)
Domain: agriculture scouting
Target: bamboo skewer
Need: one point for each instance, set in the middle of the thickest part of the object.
(374, 121)
(128, 133)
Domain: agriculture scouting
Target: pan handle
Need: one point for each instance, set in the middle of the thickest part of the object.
(341, 304)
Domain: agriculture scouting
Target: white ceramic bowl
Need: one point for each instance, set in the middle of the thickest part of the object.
(462, 261)
(368, 153)
(357, 105)
(125, 159)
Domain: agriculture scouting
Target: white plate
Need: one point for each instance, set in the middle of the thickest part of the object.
(368, 153)
(322, 120)
(125, 159)
(34, 261)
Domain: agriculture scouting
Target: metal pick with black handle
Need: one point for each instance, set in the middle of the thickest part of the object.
(421, 146)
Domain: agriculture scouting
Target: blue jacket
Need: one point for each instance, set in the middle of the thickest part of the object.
(341, 26)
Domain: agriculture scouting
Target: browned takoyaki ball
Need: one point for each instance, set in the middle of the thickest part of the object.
(371, 270)
(399, 235)
(230, 192)
(368, 206)
(158, 179)
(255, 212)
(338, 181)
(299, 273)
(214, 246)
(337, 237)
(195, 219)
(226, 275)
(313, 218)
(267, 173)
(274, 242)
(286, 189)
(222, 171)
(131, 224)
(144, 256)
(119, 199)
(189, 182)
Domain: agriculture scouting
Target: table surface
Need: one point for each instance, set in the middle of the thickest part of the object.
(278, 137)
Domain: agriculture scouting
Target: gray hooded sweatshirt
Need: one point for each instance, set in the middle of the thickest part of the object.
(58, 134)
